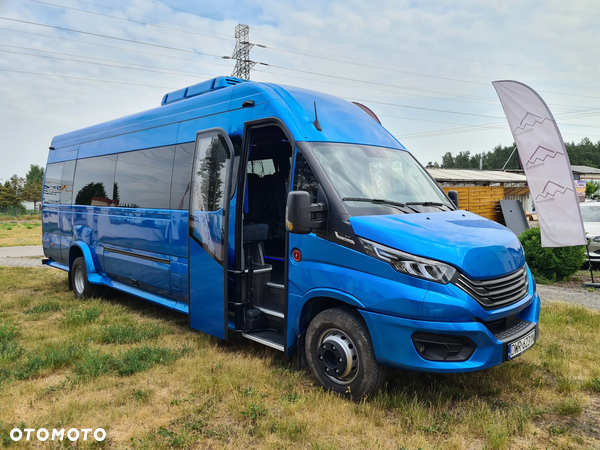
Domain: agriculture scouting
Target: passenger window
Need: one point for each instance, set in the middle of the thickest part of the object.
(261, 167)
(94, 181)
(304, 178)
(143, 178)
(53, 184)
(212, 156)
(66, 181)
(182, 176)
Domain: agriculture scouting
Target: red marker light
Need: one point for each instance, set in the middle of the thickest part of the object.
(296, 255)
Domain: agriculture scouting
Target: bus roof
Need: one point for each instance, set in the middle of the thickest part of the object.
(340, 120)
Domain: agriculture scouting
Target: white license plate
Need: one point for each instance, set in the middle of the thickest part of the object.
(519, 346)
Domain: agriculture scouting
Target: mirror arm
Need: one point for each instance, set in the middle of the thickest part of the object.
(314, 208)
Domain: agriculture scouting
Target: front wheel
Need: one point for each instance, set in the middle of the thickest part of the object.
(81, 286)
(340, 353)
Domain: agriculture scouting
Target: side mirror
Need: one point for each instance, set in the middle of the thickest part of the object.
(453, 195)
(298, 213)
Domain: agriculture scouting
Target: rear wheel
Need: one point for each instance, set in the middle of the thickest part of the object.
(81, 286)
(340, 353)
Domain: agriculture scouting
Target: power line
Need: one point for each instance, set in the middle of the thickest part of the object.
(421, 108)
(131, 20)
(369, 87)
(248, 62)
(110, 37)
(490, 101)
(420, 54)
(292, 51)
(83, 79)
(194, 74)
(328, 57)
(281, 67)
(146, 69)
(107, 46)
(483, 127)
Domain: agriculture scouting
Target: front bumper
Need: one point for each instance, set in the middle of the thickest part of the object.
(393, 345)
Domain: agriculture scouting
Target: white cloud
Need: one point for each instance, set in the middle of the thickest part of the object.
(549, 45)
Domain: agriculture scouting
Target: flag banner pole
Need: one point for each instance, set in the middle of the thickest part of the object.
(545, 162)
(592, 284)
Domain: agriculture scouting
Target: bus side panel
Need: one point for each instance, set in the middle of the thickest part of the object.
(51, 239)
(145, 235)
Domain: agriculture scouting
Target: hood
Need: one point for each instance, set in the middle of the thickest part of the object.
(477, 246)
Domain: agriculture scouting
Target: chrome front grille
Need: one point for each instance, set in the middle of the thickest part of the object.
(496, 292)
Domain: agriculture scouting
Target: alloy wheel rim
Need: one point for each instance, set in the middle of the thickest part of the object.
(78, 278)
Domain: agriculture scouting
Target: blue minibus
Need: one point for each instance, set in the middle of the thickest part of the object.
(291, 218)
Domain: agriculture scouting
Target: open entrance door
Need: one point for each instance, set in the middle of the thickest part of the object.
(208, 230)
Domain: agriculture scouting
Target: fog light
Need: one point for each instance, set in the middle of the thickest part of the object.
(441, 347)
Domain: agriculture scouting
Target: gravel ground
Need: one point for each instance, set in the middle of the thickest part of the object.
(21, 252)
(582, 296)
(25, 256)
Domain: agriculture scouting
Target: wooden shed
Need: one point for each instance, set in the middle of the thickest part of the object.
(480, 191)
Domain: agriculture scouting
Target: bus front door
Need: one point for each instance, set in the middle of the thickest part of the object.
(208, 229)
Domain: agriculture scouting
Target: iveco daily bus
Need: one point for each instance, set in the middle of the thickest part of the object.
(291, 218)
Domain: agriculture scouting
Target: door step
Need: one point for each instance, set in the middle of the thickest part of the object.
(275, 294)
(269, 338)
(272, 309)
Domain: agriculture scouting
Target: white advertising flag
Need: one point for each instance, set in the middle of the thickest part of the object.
(546, 163)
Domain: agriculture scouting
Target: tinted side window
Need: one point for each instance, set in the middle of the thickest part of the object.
(94, 181)
(143, 178)
(182, 176)
(52, 184)
(304, 178)
(66, 193)
(212, 157)
(261, 167)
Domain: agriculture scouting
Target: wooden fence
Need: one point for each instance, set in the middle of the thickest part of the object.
(482, 200)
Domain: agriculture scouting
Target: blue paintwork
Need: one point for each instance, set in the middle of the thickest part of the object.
(205, 315)
(393, 346)
(393, 305)
(460, 238)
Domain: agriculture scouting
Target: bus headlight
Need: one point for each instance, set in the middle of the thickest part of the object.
(408, 264)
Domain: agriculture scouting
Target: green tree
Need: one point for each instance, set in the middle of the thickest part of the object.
(592, 190)
(34, 184)
(210, 171)
(10, 195)
(87, 192)
(448, 161)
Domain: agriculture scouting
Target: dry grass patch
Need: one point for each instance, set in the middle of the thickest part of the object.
(137, 371)
(13, 234)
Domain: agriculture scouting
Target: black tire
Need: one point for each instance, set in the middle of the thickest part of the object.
(81, 286)
(340, 354)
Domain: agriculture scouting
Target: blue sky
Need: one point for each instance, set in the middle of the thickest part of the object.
(424, 67)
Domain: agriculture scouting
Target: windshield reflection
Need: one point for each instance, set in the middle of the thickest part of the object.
(366, 172)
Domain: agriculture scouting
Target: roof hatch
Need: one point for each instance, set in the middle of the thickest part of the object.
(200, 88)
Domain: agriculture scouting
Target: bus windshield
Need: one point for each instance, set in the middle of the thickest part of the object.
(392, 178)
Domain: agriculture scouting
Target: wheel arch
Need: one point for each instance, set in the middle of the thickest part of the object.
(79, 249)
(318, 300)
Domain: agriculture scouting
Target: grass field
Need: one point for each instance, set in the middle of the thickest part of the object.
(20, 233)
(138, 372)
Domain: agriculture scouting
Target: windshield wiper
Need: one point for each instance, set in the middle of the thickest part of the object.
(428, 204)
(380, 201)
